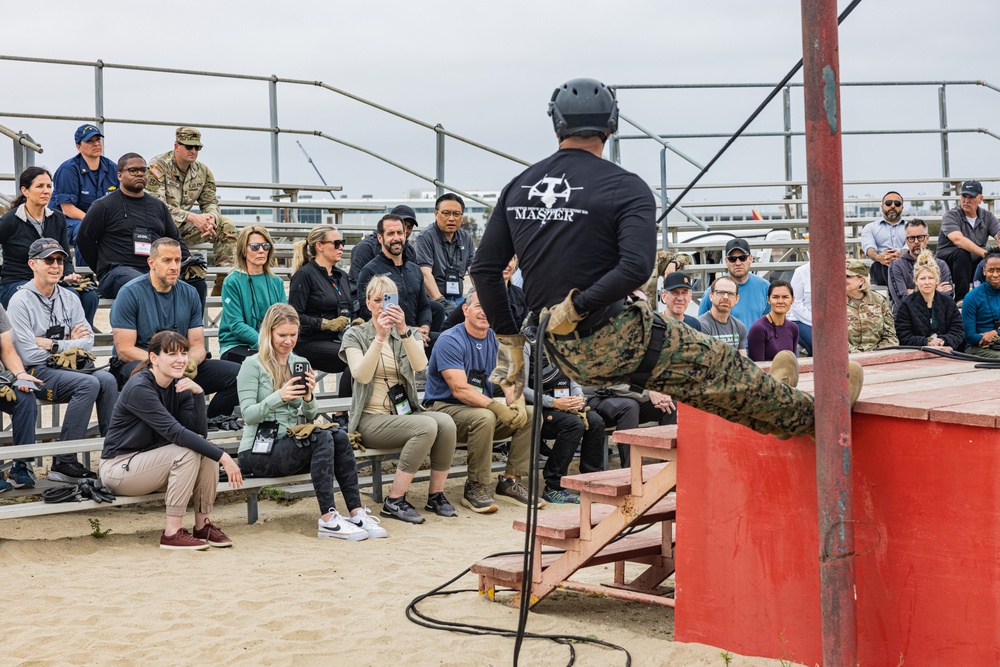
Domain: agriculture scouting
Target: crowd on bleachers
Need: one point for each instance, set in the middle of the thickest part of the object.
(399, 318)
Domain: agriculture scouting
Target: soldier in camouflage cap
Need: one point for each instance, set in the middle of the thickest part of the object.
(181, 182)
(869, 317)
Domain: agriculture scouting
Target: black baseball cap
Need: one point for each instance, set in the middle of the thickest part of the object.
(676, 279)
(406, 213)
(44, 247)
(972, 188)
(737, 244)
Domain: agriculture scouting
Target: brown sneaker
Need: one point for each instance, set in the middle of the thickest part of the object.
(513, 491)
(182, 540)
(785, 368)
(215, 537)
(478, 499)
(856, 380)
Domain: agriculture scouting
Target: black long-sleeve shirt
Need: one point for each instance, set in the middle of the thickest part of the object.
(148, 416)
(575, 221)
(409, 281)
(105, 235)
(318, 296)
(16, 237)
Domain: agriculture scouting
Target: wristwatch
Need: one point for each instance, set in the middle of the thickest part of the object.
(55, 346)
(409, 332)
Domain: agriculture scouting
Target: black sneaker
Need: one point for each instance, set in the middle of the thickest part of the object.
(437, 503)
(70, 472)
(400, 509)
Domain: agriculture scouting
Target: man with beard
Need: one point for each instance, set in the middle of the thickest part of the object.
(118, 231)
(965, 231)
(884, 240)
(719, 322)
(368, 247)
(393, 262)
(901, 271)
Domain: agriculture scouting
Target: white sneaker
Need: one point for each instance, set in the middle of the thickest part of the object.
(340, 528)
(369, 523)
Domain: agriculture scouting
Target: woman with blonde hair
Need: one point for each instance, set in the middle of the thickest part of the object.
(271, 400)
(384, 354)
(321, 293)
(247, 293)
(869, 317)
(927, 316)
(156, 442)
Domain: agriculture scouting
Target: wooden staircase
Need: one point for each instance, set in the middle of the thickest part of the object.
(610, 502)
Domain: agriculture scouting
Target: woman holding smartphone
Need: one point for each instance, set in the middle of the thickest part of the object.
(384, 354)
(271, 400)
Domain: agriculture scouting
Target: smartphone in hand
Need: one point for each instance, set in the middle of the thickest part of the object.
(389, 299)
(299, 369)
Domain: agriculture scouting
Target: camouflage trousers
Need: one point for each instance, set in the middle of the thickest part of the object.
(692, 368)
(223, 241)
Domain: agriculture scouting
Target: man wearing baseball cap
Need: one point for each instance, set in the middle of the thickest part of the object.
(83, 178)
(965, 231)
(676, 296)
(183, 183)
(752, 289)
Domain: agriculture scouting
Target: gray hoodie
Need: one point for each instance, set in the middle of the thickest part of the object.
(31, 314)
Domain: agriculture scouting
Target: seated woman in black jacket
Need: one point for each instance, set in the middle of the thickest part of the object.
(156, 442)
(927, 316)
(321, 294)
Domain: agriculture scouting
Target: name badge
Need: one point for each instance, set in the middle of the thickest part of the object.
(478, 380)
(398, 397)
(452, 284)
(561, 388)
(263, 441)
(142, 241)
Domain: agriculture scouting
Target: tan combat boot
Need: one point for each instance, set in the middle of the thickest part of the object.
(785, 368)
(856, 378)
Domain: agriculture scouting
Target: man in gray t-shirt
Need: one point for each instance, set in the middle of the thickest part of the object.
(965, 231)
(718, 322)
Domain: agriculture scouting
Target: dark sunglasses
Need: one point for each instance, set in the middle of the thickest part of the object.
(339, 243)
(737, 258)
(191, 148)
(893, 202)
(50, 260)
(918, 237)
(259, 246)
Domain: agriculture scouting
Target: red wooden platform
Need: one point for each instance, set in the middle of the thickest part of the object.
(926, 464)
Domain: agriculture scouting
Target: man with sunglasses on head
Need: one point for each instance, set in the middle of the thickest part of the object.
(82, 179)
(965, 232)
(751, 305)
(181, 182)
(884, 240)
(901, 271)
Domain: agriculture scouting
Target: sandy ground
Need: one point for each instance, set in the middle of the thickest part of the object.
(281, 596)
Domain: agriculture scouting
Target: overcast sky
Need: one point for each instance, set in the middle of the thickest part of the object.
(486, 70)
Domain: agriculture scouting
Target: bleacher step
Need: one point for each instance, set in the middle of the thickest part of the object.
(509, 569)
(610, 483)
(566, 525)
(657, 437)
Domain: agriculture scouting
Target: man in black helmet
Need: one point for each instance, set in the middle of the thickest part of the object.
(585, 232)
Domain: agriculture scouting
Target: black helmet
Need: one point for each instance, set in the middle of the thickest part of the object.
(583, 105)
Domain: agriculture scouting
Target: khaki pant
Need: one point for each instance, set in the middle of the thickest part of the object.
(419, 434)
(179, 471)
(478, 428)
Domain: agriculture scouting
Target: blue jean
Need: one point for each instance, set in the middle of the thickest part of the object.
(89, 299)
(23, 412)
(81, 392)
(806, 337)
(72, 227)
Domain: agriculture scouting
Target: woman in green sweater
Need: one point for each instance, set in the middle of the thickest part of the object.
(247, 293)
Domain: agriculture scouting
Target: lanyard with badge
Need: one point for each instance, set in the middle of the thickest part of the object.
(452, 277)
(397, 393)
(56, 331)
(477, 377)
(142, 239)
(343, 307)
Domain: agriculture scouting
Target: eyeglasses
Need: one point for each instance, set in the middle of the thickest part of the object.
(725, 294)
(53, 260)
(450, 214)
(191, 148)
(136, 171)
(915, 239)
(259, 246)
(737, 258)
(339, 243)
(893, 202)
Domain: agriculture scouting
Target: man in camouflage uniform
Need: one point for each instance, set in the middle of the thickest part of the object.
(583, 229)
(181, 182)
(869, 318)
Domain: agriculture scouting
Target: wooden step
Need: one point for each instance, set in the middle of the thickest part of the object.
(566, 525)
(610, 483)
(657, 437)
(508, 569)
